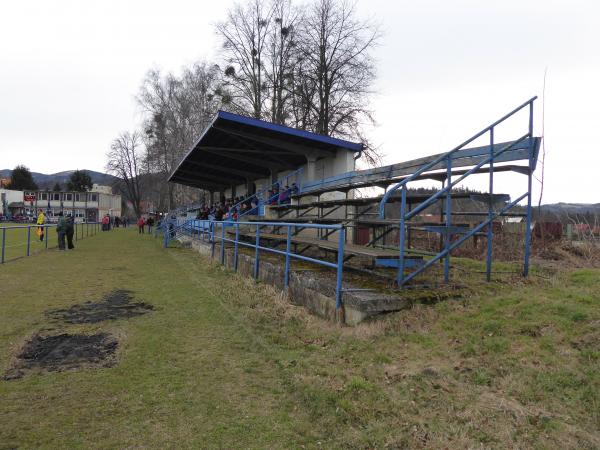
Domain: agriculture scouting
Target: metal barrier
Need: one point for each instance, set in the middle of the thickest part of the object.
(493, 155)
(81, 230)
(213, 231)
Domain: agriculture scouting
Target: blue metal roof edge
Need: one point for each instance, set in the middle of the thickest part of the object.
(356, 147)
(193, 147)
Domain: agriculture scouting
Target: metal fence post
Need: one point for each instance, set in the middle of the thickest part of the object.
(212, 239)
(340, 268)
(448, 218)
(46, 236)
(235, 248)
(256, 253)
(28, 239)
(529, 183)
(3, 243)
(222, 242)
(288, 248)
(490, 230)
(402, 231)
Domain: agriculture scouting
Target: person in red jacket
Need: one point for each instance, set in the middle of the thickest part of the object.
(141, 222)
(106, 223)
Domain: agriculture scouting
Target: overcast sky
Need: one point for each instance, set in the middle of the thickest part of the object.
(69, 71)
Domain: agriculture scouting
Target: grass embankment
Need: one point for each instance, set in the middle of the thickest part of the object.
(224, 363)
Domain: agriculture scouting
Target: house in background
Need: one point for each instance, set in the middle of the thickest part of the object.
(11, 202)
(84, 206)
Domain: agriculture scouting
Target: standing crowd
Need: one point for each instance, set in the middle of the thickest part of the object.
(233, 208)
(109, 222)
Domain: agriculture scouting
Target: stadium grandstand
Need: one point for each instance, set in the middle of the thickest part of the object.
(299, 196)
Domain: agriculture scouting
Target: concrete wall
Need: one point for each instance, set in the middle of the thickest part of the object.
(109, 204)
(310, 289)
(342, 162)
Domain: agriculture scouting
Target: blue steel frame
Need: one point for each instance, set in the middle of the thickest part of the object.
(402, 279)
(80, 226)
(213, 231)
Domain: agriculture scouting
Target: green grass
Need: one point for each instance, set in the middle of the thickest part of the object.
(225, 363)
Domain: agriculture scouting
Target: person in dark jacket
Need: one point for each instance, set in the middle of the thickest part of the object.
(69, 231)
(61, 229)
(150, 224)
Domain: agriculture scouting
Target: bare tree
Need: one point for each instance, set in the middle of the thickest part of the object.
(244, 35)
(282, 56)
(337, 71)
(176, 110)
(125, 160)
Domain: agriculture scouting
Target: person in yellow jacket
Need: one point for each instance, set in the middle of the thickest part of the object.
(40, 221)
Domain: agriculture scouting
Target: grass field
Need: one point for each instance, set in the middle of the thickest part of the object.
(16, 239)
(224, 363)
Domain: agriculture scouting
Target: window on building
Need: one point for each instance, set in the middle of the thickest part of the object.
(93, 197)
(44, 196)
(56, 197)
(69, 197)
(77, 197)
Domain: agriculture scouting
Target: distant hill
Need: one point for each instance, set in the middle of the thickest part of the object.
(47, 181)
(579, 208)
(569, 211)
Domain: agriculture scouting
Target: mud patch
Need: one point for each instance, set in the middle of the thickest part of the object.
(115, 305)
(63, 352)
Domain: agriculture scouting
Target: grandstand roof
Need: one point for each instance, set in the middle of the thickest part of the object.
(234, 149)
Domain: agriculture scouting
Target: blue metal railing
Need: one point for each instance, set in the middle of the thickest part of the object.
(446, 191)
(80, 231)
(215, 231)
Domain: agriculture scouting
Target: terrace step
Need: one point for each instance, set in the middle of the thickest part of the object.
(349, 249)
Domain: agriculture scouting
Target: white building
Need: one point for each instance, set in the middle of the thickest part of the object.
(11, 202)
(84, 206)
(102, 189)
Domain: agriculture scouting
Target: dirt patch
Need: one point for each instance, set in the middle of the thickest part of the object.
(63, 352)
(115, 305)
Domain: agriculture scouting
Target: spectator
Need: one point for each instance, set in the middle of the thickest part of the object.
(141, 222)
(105, 223)
(150, 223)
(284, 196)
(40, 221)
(61, 229)
(69, 231)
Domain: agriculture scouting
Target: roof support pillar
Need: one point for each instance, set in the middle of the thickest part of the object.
(311, 167)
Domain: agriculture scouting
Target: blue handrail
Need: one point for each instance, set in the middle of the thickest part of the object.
(446, 191)
(444, 156)
(214, 231)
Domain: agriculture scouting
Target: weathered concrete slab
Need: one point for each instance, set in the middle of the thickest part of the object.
(311, 289)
